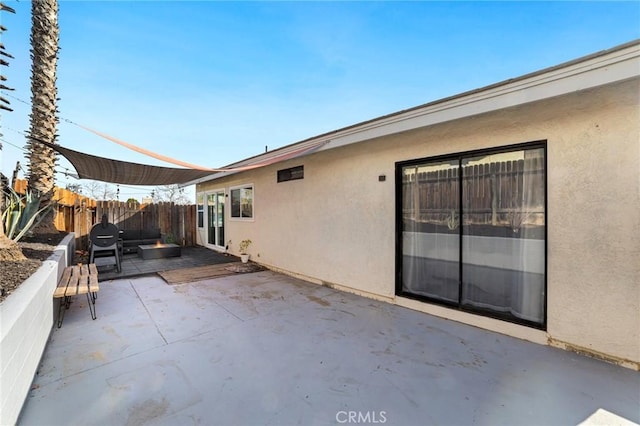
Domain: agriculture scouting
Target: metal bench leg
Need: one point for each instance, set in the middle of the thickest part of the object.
(61, 308)
(92, 306)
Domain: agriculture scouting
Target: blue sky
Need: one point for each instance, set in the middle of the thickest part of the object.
(212, 82)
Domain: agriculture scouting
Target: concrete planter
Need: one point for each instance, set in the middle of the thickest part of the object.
(26, 319)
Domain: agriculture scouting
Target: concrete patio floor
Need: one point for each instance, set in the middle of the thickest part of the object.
(266, 349)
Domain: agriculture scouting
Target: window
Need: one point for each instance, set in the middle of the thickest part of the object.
(200, 209)
(472, 232)
(242, 202)
(291, 174)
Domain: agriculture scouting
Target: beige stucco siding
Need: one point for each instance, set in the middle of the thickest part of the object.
(337, 225)
(316, 226)
(594, 224)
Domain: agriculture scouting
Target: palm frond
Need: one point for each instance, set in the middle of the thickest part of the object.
(6, 8)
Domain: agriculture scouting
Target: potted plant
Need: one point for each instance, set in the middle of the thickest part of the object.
(244, 245)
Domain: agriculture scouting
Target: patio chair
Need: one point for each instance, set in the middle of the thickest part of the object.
(104, 241)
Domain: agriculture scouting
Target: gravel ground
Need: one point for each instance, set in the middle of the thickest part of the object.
(36, 249)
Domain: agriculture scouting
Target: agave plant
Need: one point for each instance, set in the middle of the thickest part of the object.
(22, 212)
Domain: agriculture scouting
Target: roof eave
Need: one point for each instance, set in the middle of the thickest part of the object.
(601, 68)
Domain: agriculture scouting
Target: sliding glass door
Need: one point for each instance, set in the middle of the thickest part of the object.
(215, 218)
(472, 228)
(430, 242)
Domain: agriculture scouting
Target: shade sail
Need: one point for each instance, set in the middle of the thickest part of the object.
(115, 171)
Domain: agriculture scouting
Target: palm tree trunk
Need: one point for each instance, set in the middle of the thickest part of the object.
(44, 93)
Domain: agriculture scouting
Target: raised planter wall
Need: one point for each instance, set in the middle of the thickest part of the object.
(26, 319)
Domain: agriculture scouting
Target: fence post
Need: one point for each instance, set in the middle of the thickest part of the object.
(494, 195)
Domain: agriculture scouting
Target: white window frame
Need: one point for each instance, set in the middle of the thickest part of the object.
(253, 203)
(200, 210)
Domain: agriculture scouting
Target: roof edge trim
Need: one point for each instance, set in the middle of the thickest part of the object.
(604, 67)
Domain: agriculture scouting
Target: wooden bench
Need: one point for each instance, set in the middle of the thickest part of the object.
(77, 279)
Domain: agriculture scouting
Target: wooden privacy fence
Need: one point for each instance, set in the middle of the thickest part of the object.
(77, 213)
(176, 222)
(73, 212)
(498, 193)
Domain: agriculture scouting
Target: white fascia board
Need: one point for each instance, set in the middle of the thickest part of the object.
(615, 65)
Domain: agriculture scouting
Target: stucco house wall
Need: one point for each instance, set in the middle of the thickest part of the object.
(337, 225)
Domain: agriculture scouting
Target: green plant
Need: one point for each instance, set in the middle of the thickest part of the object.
(516, 219)
(244, 245)
(453, 221)
(22, 213)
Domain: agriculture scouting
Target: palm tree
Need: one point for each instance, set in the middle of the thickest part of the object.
(44, 112)
(4, 103)
(9, 250)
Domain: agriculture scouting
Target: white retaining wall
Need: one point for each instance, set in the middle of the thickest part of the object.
(26, 319)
